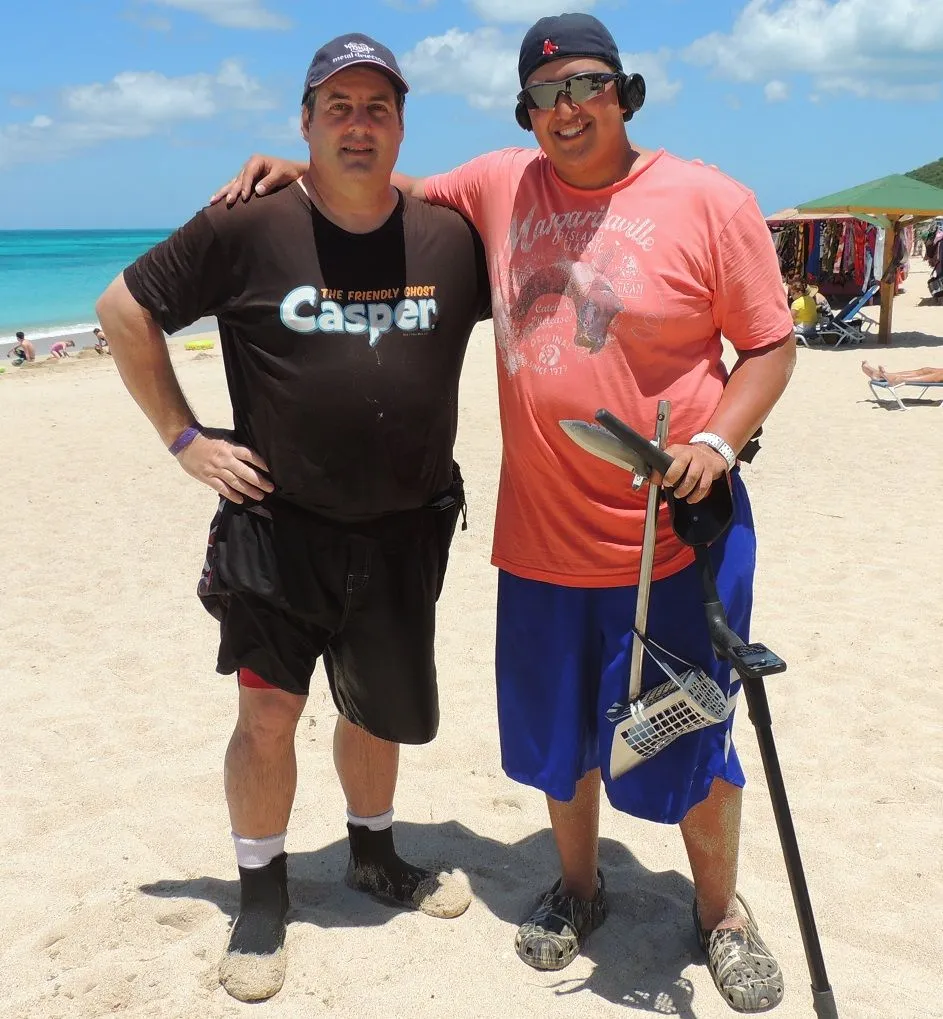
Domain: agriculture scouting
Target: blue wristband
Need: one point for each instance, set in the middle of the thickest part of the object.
(184, 439)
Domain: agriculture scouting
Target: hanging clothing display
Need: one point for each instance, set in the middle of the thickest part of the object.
(838, 255)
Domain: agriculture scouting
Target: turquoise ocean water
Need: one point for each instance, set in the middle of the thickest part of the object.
(50, 279)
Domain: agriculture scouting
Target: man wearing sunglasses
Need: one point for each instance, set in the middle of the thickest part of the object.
(614, 272)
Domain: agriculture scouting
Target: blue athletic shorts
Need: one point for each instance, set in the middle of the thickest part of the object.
(562, 660)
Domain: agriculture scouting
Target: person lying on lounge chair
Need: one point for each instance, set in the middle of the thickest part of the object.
(881, 374)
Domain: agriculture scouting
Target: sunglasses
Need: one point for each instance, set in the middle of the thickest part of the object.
(578, 88)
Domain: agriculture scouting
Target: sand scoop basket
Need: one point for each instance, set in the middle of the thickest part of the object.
(687, 701)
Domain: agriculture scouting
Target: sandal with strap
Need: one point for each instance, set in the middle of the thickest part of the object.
(552, 936)
(746, 974)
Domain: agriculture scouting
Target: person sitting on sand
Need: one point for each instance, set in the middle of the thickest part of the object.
(881, 374)
(22, 350)
(101, 344)
(804, 302)
(60, 349)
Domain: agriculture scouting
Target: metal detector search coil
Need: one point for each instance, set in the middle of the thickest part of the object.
(689, 701)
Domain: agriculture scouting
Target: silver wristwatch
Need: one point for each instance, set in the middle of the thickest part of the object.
(717, 443)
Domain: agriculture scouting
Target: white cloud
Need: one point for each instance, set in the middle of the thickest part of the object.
(231, 13)
(241, 91)
(524, 12)
(134, 104)
(870, 48)
(653, 67)
(776, 91)
(145, 98)
(481, 66)
(284, 132)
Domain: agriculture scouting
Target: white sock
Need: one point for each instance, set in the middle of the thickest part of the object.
(254, 853)
(380, 822)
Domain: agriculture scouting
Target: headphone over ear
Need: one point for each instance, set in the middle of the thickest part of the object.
(522, 116)
(631, 98)
(631, 94)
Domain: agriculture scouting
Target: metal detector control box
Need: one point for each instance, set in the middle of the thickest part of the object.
(752, 661)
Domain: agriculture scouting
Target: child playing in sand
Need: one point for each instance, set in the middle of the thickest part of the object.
(59, 349)
(101, 342)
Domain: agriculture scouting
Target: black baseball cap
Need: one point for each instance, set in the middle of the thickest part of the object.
(348, 51)
(566, 35)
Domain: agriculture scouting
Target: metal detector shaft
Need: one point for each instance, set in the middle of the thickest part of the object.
(823, 998)
(648, 558)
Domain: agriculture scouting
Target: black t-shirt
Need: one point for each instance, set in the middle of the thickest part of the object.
(342, 351)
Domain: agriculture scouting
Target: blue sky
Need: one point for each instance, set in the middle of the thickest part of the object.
(128, 113)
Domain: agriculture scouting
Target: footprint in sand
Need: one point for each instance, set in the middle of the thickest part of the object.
(184, 919)
(506, 804)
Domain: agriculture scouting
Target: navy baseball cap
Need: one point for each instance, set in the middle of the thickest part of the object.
(348, 51)
(566, 35)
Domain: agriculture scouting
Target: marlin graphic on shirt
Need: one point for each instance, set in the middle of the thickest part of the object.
(595, 301)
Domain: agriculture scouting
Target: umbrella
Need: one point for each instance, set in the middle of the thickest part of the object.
(888, 202)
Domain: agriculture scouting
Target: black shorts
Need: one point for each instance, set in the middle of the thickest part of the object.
(288, 586)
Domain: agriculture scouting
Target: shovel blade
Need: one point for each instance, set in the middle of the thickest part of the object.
(603, 444)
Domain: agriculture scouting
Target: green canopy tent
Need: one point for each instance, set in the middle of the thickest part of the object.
(890, 202)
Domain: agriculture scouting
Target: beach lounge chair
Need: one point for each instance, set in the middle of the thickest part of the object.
(848, 325)
(879, 384)
(837, 327)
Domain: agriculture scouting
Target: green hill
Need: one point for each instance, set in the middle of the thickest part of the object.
(932, 173)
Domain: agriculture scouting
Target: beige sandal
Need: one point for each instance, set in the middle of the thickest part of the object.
(746, 974)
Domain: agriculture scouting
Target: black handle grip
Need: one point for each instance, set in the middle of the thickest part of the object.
(655, 458)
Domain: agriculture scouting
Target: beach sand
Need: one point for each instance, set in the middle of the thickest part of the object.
(117, 882)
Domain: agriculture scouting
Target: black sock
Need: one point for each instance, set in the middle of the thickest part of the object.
(263, 905)
(375, 868)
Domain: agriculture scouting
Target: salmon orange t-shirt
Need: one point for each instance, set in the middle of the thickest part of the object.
(613, 298)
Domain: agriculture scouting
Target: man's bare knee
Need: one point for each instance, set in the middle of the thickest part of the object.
(268, 717)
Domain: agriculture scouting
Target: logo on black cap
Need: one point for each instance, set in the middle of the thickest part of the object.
(347, 51)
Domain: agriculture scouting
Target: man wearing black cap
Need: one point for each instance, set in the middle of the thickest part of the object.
(344, 311)
(615, 270)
